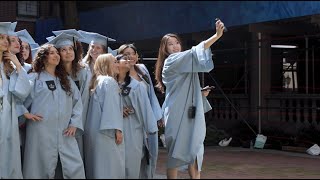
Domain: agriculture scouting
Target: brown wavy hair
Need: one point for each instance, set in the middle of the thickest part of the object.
(76, 63)
(19, 54)
(38, 66)
(162, 55)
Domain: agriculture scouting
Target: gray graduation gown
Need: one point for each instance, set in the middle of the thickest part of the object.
(148, 171)
(27, 66)
(45, 140)
(103, 157)
(90, 66)
(13, 89)
(135, 125)
(185, 136)
(83, 81)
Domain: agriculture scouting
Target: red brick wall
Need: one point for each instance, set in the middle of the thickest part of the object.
(8, 13)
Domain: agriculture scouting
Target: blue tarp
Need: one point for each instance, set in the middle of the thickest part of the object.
(147, 19)
(45, 27)
(137, 20)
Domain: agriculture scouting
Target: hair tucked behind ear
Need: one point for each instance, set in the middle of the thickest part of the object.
(162, 55)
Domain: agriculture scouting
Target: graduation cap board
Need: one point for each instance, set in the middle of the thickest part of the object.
(50, 38)
(12, 28)
(5, 27)
(25, 36)
(95, 38)
(63, 39)
(71, 32)
(34, 49)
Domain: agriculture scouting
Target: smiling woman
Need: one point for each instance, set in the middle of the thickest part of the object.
(54, 91)
(15, 78)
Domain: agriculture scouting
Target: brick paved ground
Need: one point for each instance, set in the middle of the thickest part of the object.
(243, 163)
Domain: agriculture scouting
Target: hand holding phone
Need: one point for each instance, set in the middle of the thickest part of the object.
(224, 28)
(208, 88)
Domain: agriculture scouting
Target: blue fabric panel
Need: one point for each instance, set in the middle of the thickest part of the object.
(45, 27)
(147, 19)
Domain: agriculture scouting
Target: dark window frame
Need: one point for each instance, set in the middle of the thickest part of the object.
(20, 14)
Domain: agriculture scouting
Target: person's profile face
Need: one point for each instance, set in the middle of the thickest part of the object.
(4, 43)
(115, 66)
(131, 54)
(14, 44)
(53, 57)
(25, 50)
(124, 63)
(173, 45)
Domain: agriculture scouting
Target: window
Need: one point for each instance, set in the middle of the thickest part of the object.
(27, 8)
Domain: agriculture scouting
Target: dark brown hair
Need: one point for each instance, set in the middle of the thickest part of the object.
(76, 63)
(29, 59)
(38, 66)
(19, 54)
(121, 50)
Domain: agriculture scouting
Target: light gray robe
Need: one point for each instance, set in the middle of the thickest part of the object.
(135, 125)
(45, 139)
(185, 136)
(104, 159)
(13, 89)
(90, 66)
(27, 66)
(148, 171)
(83, 81)
(21, 118)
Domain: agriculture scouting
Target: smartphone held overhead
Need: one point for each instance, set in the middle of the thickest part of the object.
(208, 88)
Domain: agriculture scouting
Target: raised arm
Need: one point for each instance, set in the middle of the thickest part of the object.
(216, 36)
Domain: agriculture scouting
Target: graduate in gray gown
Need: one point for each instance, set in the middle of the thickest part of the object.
(16, 46)
(26, 43)
(98, 44)
(141, 73)
(26, 60)
(70, 50)
(53, 121)
(138, 113)
(104, 146)
(14, 86)
(177, 75)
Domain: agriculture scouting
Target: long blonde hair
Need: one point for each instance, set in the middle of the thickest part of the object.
(102, 66)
